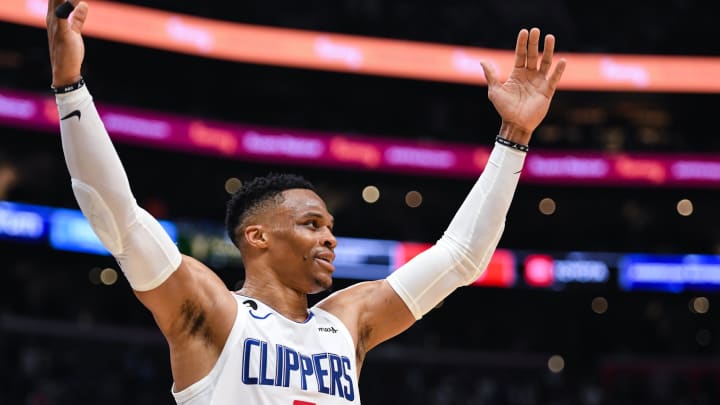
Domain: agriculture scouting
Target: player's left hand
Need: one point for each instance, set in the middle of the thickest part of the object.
(524, 99)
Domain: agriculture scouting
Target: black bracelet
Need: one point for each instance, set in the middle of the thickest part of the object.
(70, 87)
(511, 144)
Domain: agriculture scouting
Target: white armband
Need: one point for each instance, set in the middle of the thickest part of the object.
(463, 253)
(143, 249)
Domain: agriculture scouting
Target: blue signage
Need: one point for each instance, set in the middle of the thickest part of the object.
(671, 273)
(71, 231)
(23, 222)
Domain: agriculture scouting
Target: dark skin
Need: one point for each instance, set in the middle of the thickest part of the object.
(288, 256)
(290, 245)
(287, 249)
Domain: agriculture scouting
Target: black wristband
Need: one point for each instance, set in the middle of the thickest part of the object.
(511, 144)
(70, 87)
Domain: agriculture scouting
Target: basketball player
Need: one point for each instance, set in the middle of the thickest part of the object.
(262, 344)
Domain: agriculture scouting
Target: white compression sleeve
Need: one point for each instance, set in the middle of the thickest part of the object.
(144, 250)
(462, 254)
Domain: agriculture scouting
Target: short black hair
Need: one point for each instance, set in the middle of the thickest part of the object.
(256, 192)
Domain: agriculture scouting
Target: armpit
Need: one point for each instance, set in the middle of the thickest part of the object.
(361, 348)
(194, 321)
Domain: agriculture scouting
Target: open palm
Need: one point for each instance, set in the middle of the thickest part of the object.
(524, 99)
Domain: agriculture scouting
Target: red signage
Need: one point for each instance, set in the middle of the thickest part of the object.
(539, 271)
(500, 271)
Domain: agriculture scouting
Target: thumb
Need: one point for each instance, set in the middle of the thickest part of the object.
(490, 75)
(78, 16)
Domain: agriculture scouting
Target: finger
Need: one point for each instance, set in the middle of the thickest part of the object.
(52, 5)
(78, 17)
(63, 10)
(56, 9)
(51, 21)
(557, 74)
(490, 75)
(532, 49)
(521, 48)
(60, 9)
(548, 50)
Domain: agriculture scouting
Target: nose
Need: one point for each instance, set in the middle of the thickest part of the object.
(328, 239)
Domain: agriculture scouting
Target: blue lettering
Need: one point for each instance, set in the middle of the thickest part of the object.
(305, 371)
(291, 363)
(335, 373)
(320, 373)
(349, 391)
(263, 365)
(247, 347)
(279, 364)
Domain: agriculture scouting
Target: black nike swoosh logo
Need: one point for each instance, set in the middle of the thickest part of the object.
(72, 114)
(250, 303)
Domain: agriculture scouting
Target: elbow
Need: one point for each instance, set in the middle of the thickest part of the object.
(471, 259)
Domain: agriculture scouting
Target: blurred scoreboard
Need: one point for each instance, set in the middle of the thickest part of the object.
(372, 259)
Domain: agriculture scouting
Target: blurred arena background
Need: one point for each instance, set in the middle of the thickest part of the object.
(604, 290)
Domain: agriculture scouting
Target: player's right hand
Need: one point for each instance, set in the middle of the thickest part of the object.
(65, 41)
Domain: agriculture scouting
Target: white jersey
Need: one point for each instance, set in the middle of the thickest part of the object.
(269, 359)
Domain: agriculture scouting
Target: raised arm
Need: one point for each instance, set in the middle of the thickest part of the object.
(98, 178)
(388, 307)
(191, 305)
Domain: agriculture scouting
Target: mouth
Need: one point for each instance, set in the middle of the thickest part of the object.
(326, 260)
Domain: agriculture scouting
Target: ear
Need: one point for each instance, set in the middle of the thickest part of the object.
(256, 236)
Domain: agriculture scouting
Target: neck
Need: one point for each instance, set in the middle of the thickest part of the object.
(288, 302)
